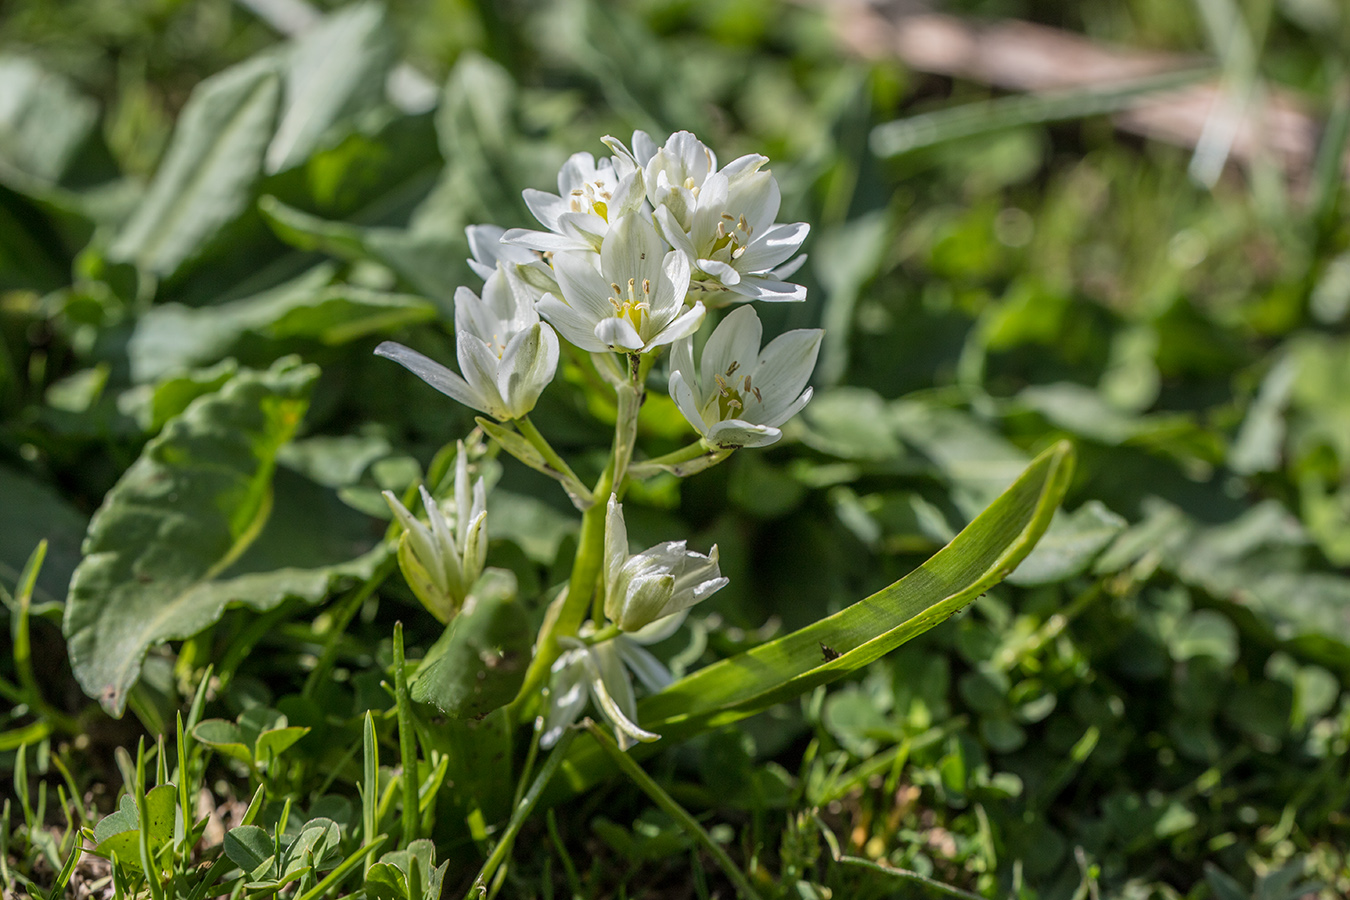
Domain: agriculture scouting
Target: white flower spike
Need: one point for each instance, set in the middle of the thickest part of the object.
(740, 395)
(658, 582)
(441, 560)
(633, 302)
(506, 354)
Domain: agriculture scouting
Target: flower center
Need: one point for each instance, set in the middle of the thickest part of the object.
(732, 237)
(592, 197)
(733, 394)
(633, 305)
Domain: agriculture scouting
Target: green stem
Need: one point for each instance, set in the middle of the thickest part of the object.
(609, 632)
(342, 617)
(668, 805)
(630, 398)
(407, 740)
(520, 814)
(551, 456)
(586, 567)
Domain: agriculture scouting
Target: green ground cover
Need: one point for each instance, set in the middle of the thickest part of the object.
(1153, 704)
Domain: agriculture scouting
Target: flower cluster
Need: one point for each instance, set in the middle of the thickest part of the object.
(633, 252)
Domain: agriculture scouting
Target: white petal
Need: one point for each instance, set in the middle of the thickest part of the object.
(756, 197)
(479, 364)
(582, 286)
(613, 693)
(648, 669)
(567, 694)
(744, 165)
(791, 409)
(579, 169)
(579, 330)
(546, 207)
(645, 599)
(433, 373)
(683, 326)
(544, 241)
(616, 543)
(632, 249)
(773, 247)
(474, 316)
(684, 400)
(735, 341)
(674, 234)
(712, 203)
(770, 291)
(735, 433)
(618, 334)
(723, 272)
(787, 269)
(527, 366)
(785, 367)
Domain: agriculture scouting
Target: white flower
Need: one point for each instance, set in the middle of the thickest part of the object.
(739, 395)
(590, 198)
(600, 672)
(524, 265)
(632, 302)
(442, 560)
(658, 582)
(506, 354)
(723, 221)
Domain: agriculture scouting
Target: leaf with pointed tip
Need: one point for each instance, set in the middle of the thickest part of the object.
(208, 173)
(333, 71)
(981, 556)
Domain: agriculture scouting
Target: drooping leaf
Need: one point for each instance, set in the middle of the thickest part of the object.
(208, 173)
(188, 508)
(981, 556)
(480, 663)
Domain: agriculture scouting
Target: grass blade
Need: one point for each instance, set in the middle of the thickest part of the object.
(973, 119)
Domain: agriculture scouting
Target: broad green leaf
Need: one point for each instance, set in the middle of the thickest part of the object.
(427, 260)
(188, 508)
(224, 737)
(125, 818)
(333, 71)
(35, 512)
(250, 848)
(43, 122)
(274, 742)
(320, 838)
(208, 173)
(170, 338)
(981, 556)
(119, 833)
(480, 663)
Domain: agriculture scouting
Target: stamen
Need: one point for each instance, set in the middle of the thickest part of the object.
(731, 369)
(758, 395)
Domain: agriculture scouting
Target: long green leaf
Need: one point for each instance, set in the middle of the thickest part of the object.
(208, 174)
(188, 508)
(989, 116)
(333, 71)
(981, 556)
